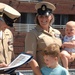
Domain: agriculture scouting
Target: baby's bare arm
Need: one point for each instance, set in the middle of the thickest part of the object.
(70, 44)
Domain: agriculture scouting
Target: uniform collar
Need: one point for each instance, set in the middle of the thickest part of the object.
(38, 28)
(4, 33)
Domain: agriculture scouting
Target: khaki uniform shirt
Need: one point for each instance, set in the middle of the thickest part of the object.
(6, 46)
(38, 39)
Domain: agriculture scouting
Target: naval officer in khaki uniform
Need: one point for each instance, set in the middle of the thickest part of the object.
(7, 18)
(42, 35)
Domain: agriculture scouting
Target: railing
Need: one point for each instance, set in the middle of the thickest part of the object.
(27, 0)
(25, 72)
(27, 27)
(30, 72)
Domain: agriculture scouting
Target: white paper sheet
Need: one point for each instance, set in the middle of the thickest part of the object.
(18, 61)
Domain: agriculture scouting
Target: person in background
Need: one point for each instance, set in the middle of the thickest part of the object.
(6, 37)
(68, 46)
(42, 35)
(51, 56)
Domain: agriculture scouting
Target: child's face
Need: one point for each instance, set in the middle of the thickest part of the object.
(49, 61)
(70, 30)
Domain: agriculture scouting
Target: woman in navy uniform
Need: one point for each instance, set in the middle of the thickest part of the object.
(42, 35)
(7, 18)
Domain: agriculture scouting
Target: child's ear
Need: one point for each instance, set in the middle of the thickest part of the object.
(56, 58)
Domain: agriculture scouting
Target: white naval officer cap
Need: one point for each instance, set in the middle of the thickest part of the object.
(9, 11)
(2, 6)
(44, 8)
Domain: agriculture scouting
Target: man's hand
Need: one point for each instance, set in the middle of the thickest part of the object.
(3, 65)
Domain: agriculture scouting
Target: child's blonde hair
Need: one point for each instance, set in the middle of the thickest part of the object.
(52, 50)
(70, 23)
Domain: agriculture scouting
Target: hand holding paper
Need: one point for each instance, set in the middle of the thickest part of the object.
(21, 59)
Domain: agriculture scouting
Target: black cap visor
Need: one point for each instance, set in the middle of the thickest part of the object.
(46, 12)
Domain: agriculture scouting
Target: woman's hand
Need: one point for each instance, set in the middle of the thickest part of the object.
(3, 65)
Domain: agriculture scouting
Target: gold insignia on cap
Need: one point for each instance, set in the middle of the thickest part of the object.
(43, 8)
